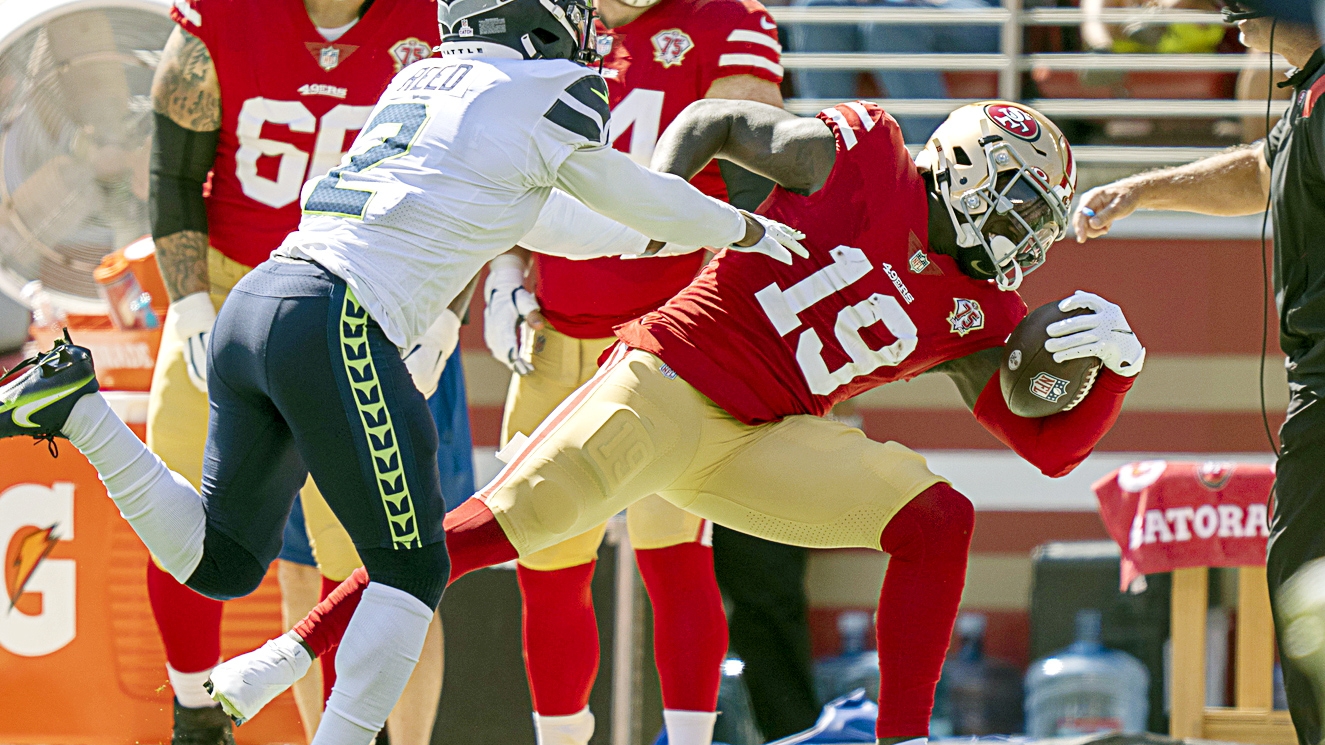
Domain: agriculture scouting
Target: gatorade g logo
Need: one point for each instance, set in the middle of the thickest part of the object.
(38, 610)
(1014, 120)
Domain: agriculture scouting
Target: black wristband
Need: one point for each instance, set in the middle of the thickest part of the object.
(181, 160)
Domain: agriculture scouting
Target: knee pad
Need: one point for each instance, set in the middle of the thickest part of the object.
(227, 570)
(422, 572)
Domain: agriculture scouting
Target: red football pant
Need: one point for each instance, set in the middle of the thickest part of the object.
(927, 542)
(190, 624)
(689, 630)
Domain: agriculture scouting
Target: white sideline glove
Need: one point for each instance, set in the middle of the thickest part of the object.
(194, 316)
(1103, 333)
(427, 359)
(506, 303)
(779, 241)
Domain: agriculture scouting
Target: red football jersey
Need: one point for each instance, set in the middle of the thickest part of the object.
(871, 305)
(658, 64)
(291, 103)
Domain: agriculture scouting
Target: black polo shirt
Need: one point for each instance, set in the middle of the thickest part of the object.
(1295, 150)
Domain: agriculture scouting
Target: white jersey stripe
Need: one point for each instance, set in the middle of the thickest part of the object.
(754, 37)
(843, 127)
(749, 60)
(866, 120)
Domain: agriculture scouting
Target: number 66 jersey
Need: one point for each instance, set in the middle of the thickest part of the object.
(871, 304)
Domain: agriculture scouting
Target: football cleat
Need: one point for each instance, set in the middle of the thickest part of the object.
(37, 395)
(205, 726)
(243, 685)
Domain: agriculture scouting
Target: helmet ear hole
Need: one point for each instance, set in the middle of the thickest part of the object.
(959, 155)
(543, 35)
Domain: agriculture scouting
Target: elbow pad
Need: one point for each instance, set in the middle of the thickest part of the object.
(181, 160)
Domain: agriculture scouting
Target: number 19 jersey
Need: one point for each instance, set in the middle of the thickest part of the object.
(871, 304)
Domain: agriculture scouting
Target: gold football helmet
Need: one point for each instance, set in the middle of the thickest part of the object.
(1007, 177)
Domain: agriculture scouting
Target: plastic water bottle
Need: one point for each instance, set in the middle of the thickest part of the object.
(982, 694)
(855, 668)
(45, 313)
(1086, 688)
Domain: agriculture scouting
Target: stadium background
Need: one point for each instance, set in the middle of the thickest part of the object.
(1190, 287)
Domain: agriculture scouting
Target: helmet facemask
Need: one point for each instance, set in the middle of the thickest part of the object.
(1012, 216)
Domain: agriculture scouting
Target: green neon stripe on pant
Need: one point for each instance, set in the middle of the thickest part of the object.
(388, 465)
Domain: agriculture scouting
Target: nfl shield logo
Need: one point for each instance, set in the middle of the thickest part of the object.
(408, 51)
(328, 58)
(918, 262)
(966, 316)
(670, 46)
(1048, 387)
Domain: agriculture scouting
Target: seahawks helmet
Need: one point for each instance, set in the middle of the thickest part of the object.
(520, 29)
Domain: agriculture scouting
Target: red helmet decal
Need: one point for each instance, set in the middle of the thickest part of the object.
(1014, 120)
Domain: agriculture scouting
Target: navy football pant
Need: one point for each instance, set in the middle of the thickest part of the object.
(300, 380)
(1296, 530)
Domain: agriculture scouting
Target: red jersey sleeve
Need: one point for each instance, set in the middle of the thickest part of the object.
(742, 40)
(1055, 444)
(202, 18)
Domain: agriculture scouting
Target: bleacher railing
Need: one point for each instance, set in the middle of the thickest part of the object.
(1011, 62)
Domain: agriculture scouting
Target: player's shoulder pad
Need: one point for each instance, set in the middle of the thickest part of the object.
(211, 20)
(731, 11)
(854, 120)
(582, 107)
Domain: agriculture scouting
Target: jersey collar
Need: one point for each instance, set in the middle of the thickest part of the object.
(1303, 76)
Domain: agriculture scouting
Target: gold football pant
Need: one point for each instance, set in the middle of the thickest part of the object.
(638, 429)
(561, 365)
(177, 428)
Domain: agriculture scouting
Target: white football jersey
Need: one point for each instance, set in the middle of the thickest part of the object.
(452, 169)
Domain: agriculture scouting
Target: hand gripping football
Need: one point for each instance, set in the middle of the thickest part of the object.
(1033, 384)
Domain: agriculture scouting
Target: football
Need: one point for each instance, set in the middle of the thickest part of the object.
(1033, 384)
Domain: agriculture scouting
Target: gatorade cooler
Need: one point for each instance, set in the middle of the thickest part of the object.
(81, 661)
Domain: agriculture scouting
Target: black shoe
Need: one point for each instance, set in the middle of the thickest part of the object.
(37, 395)
(207, 726)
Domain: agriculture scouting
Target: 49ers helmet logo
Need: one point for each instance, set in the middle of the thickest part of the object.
(1014, 120)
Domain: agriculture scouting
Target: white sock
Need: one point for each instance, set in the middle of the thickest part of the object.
(376, 657)
(188, 688)
(162, 507)
(689, 727)
(572, 729)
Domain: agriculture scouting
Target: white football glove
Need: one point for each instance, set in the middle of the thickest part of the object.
(1104, 333)
(506, 303)
(779, 241)
(427, 358)
(193, 317)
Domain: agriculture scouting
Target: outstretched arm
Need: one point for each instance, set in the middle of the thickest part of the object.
(1054, 444)
(796, 152)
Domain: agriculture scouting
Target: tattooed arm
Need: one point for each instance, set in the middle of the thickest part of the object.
(186, 97)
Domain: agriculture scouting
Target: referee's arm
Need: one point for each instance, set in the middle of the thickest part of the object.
(1235, 182)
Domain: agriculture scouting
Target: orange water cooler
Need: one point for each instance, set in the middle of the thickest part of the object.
(81, 661)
